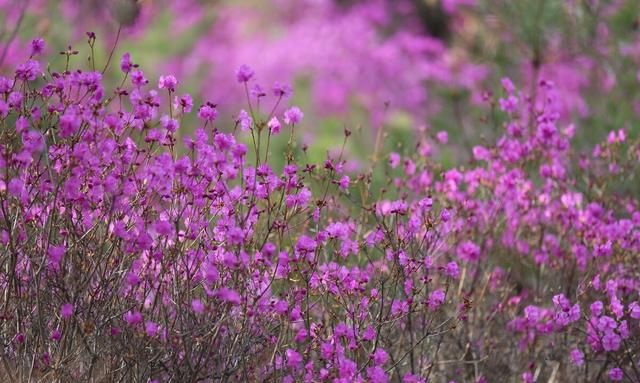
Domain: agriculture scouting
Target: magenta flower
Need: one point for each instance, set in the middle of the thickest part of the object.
(197, 306)
(37, 46)
(208, 112)
(151, 328)
(436, 299)
(443, 137)
(125, 63)
(132, 317)
(66, 311)
(228, 296)
(168, 82)
(616, 375)
(293, 116)
(344, 183)
(244, 73)
(380, 357)
(294, 359)
(274, 125)
(577, 357)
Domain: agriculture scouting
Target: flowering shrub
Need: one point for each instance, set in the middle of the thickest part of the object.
(128, 254)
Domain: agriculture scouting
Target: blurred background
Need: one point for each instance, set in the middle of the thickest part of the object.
(414, 67)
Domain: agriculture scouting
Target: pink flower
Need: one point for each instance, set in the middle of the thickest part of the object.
(436, 299)
(294, 359)
(577, 357)
(228, 295)
(66, 311)
(125, 63)
(344, 183)
(37, 46)
(168, 82)
(443, 137)
(380, 357)
(244, 73)
(616, 374)
(151, 328)
(197, 306)
(132, 317)
(274, 125)
(293, 116)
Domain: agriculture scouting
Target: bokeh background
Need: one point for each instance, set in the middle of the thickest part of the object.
(414, 67)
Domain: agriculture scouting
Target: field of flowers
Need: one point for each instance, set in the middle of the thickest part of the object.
(320, 191)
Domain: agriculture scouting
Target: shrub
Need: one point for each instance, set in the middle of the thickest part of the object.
(130, 256)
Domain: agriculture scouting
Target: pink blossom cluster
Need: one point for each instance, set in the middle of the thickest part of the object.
(132, 252)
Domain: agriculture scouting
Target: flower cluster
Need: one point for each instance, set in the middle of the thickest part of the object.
(134, 250)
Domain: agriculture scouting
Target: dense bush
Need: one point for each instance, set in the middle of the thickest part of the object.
(128, 255)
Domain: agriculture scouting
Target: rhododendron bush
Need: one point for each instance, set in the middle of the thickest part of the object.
(151, 234)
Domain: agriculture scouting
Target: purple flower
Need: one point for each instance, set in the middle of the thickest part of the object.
(293, 115)
(132, 317)
(611, 342)
(168, 82)
(66, 311)
(344, 183)
(634, 310)
(197, 306)
(468, 251)
(245, 121)
(125, 63)
(436, 299)
(380, 357)
(185, 102)
(28, 71)
(170, 124)
(244, 73)
(377, 374)
(616, 374)
(151, 328)
(577, 357)
(443, 137)
(281, 90)
(452, 270)
(596, 308)
(208, 112)
(138, 79)
(294, 359)
(37, 46)
(274, 125)
(229, 296)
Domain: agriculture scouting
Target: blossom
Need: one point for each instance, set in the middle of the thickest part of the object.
(132, 317)
(197, 306)
(66, 311)
(28, 71)
(294, 359)
(380, 357)
(436, 299)
(37, 46)
(452, 270)
(244, 120)
(281, 90)
(228, 295)
(616, 375)
(577, 357)
(344, 183)
(293, 116)
(274, 125)
(125, 63)
(244, 73)
(168, 82)
(443, 137)
(207, 112)
(151, 328)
